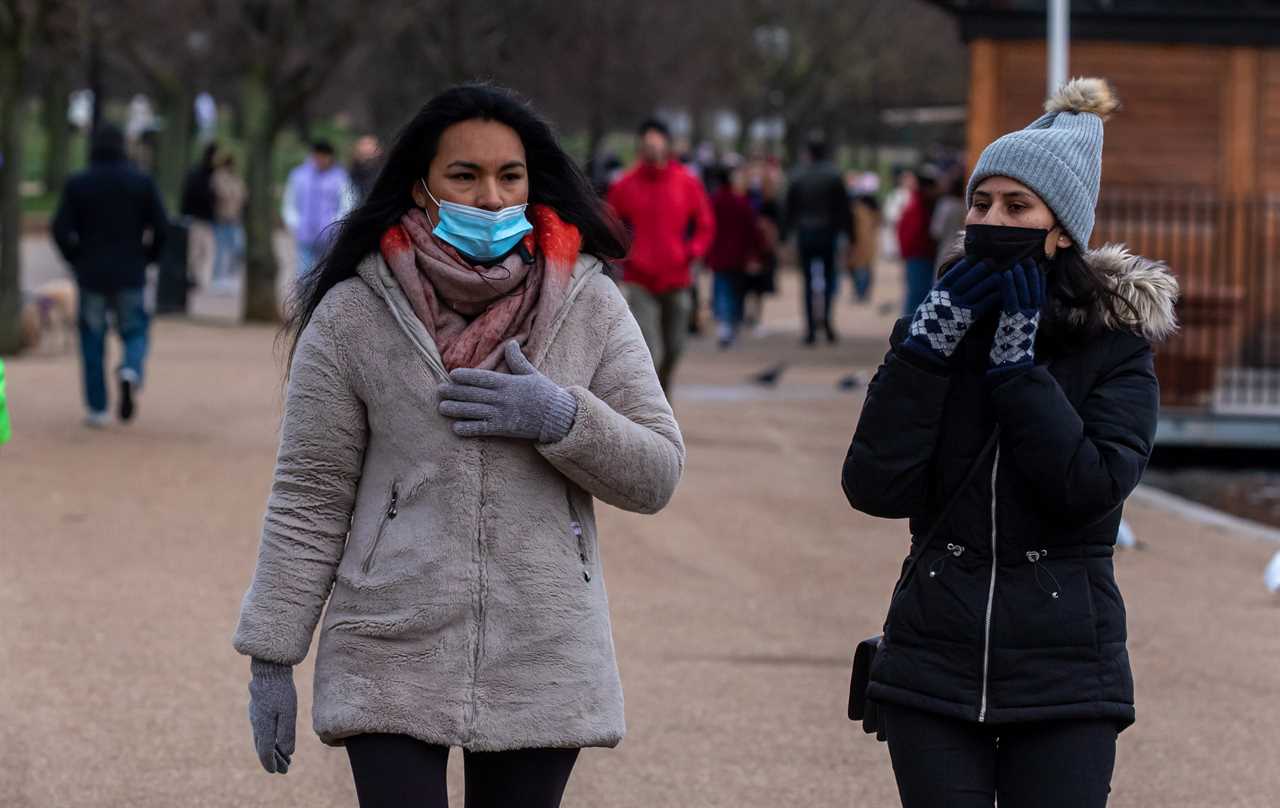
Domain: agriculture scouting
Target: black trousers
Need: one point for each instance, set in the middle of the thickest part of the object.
(960, 764)
(396, 771)
(818, 265)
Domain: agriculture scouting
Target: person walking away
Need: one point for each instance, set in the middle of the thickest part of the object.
(197, 209)
(464, 384)
(317, 194)
(915, 244)
(734, 251)
(109, 225)
(1012, 417)
(229, 196)
(950, 211)
(864, 252)
(366, 160)
(671, 224)
(817, 212)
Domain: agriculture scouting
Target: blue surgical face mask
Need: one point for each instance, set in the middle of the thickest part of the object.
(478, 233)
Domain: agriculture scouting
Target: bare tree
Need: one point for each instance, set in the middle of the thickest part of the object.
(166, 46)
(19, 22)
(284, 51)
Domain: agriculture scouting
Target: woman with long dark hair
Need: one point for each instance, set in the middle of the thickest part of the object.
(464, 383)
(1013, 415)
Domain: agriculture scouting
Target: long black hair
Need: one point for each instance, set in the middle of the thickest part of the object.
(554, 180)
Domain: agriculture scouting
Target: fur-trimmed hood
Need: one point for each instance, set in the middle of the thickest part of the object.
(1148, 286)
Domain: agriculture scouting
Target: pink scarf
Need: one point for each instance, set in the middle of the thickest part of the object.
(471, 311)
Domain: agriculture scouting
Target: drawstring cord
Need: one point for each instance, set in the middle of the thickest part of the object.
(1034, 557)
(940, 563)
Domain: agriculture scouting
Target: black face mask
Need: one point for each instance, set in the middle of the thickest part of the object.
(1002, 247)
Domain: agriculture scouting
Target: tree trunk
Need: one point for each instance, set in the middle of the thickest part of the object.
(57, 156)
(260, 129)
(12, 130)
(173, 152)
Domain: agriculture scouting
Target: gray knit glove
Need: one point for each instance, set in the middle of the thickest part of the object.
(273, 713)
(523, 404)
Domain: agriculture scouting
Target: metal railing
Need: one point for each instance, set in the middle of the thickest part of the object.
(1225, 253)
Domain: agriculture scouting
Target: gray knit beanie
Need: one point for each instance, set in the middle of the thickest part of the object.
(1059, 156)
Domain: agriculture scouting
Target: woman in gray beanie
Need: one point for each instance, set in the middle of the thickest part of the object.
(1013, 415)
(465, 383)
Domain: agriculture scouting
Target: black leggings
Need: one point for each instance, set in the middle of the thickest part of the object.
(960, 764)
(396, 771)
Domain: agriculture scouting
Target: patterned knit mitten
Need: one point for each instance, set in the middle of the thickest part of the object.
(963, 296)
(1014, 347)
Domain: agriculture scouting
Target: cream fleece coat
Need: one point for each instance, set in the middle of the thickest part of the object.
(466, 600)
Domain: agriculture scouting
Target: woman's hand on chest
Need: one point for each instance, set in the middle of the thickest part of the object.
(523, 404)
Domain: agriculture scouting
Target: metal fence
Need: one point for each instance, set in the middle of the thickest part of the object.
(1226, 358)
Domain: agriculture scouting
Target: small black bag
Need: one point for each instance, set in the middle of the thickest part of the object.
(860, 707)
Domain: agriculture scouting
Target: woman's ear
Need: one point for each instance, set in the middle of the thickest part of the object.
(420, 197)
(1056, 240)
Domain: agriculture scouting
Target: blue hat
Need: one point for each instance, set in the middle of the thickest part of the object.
(1059, 155)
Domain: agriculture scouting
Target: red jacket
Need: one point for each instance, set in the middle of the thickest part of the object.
(914, 240)
(738, 237)
(670, 220)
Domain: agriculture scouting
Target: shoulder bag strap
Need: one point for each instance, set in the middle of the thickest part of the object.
(919, 547)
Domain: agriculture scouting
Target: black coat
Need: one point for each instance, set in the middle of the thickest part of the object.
(817, 209)
(1038, 631)
(198, 198)
(103, 217)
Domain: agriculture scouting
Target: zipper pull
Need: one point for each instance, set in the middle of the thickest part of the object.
(576, 528)
(392, 509)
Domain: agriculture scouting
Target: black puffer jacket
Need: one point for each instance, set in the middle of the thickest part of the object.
(1038, 631)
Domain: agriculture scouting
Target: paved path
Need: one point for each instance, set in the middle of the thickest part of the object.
(124, 553)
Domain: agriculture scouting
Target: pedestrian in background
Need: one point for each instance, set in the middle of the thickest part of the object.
(317, 195)
(765, 188)
(817, 212)
(366, 160)
(949, 211)
(915, 243)
(735, 250)
(464, 384)
(197, 209)
(671, 224)
(861, 259)
(1012, 417)
(895, 202)
(110, 224)
(229, 196)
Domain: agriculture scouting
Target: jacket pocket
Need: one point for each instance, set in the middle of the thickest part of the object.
(943, 598)
(1047, 603)
(392, 510)
(579, 536)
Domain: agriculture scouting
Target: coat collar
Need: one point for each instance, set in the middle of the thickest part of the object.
(373, 270)
(1147, 285)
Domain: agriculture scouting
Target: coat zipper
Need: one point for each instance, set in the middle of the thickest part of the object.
(991, 592)
(393, 509)
(575, 525)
